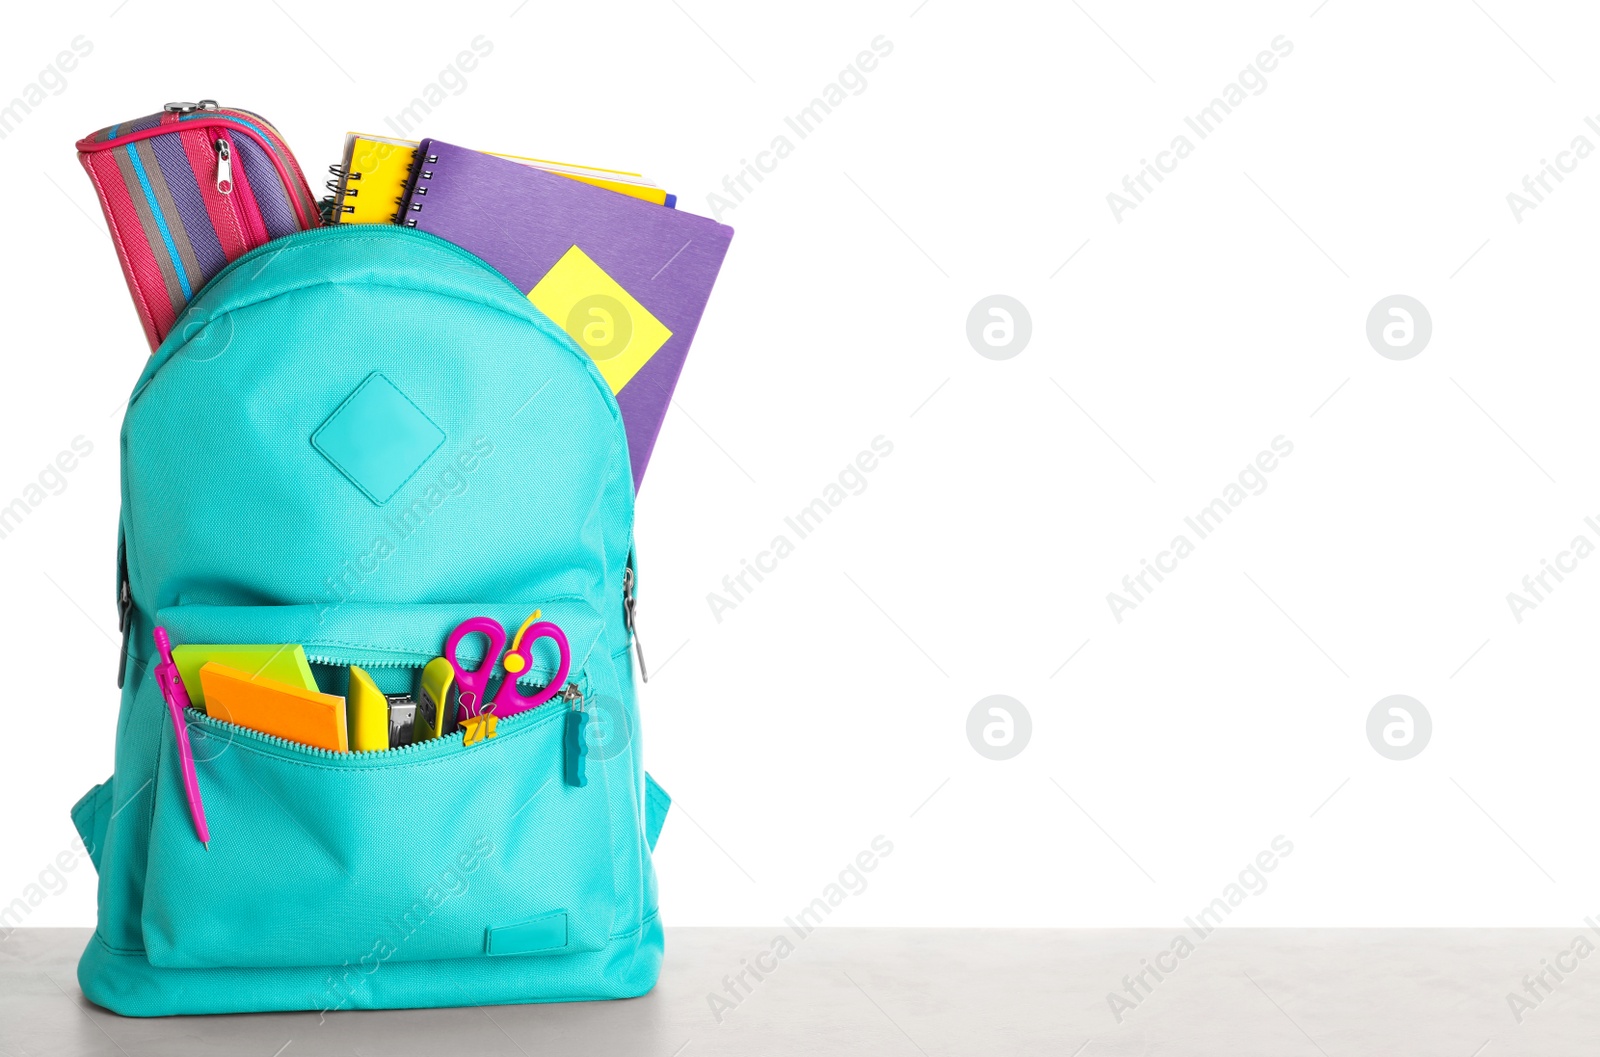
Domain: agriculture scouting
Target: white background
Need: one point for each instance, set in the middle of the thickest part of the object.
(1229, 308)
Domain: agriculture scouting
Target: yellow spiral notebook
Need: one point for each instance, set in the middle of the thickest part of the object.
(372, 179)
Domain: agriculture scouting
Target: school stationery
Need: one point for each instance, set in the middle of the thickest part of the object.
(478, 729)
(367, 709)
(473, 697)
(368, 184)
(285, 663)
(402, 720)
(436, 700)
(187, 190)
(275, 708)
(246, 532)
(627, 281)
(178, 706)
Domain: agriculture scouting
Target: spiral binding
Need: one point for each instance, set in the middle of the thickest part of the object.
(414, 189)
(339, 178)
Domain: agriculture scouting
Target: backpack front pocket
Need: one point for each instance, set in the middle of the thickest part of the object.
(435, 850)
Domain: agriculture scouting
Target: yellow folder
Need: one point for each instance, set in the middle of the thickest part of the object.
(375, 170)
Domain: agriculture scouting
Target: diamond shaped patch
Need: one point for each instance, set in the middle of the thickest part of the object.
(377, 438)
(606, 321)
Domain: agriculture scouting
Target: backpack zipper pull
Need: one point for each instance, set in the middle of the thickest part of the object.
(224, 167)
(576, 745)
(630, 618)
(124, 625)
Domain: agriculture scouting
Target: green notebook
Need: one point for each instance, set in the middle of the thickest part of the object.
(286, 664)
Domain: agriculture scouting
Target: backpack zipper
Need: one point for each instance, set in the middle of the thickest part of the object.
(326, 231)
(124, 622)
(574, 745)
(371, 755)
(629, 615)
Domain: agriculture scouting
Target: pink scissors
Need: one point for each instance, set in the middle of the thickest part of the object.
(508, 700)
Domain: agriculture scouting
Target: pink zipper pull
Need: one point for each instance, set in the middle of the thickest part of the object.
(224, 167)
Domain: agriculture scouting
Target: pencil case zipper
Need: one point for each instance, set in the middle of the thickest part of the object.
(233, 122)
(284, 158)
(232, 183)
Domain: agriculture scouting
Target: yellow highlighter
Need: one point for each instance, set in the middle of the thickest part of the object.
(368, 711)
(436, 701)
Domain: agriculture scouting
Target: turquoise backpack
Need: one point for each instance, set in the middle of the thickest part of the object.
(354, 439)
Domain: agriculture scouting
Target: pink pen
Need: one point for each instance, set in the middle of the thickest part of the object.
(177, 698)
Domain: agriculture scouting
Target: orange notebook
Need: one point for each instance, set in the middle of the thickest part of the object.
(271, 707)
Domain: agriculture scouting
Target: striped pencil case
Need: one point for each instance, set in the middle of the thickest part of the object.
(186, 191)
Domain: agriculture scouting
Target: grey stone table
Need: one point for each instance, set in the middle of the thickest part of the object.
(889, 992)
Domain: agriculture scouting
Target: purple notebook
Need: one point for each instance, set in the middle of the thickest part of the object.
(627, 279)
